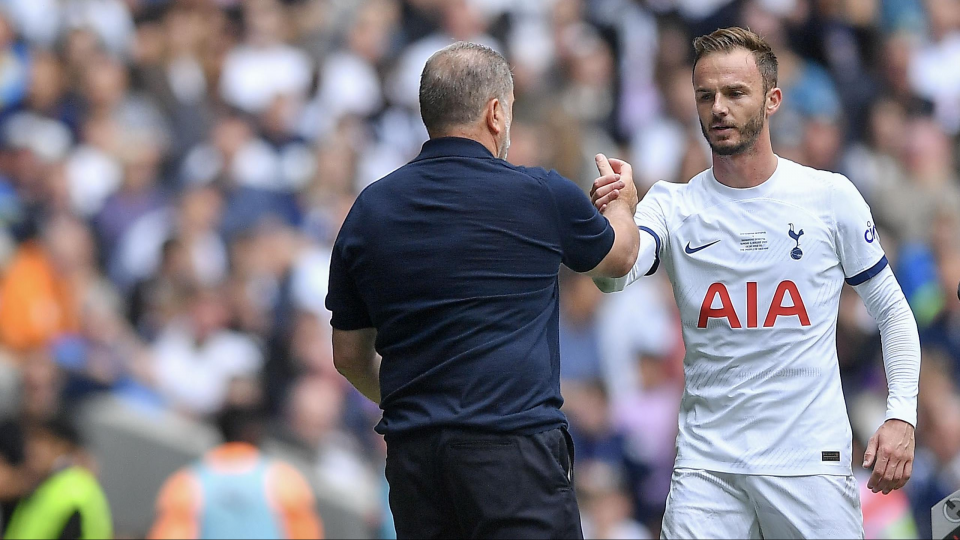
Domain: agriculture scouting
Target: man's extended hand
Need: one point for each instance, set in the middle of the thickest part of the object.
(615, 183)
(890, 453)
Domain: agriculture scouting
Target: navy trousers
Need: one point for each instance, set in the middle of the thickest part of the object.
(461, 484)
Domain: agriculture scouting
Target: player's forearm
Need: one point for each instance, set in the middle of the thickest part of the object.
(900, 341)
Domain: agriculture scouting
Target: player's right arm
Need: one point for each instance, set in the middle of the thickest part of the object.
(649, 220)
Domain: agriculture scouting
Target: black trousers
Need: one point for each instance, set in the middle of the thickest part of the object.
(460, 484)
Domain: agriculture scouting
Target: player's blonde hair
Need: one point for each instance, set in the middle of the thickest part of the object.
(729, 39)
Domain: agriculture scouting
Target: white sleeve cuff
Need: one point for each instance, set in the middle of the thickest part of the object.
(645, 260)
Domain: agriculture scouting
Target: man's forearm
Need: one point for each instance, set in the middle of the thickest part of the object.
(356, 359)
(900, 342)
(626, 242)
(365, 380)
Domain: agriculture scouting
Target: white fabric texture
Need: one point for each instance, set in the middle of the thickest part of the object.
(704, 504)
(900, 341)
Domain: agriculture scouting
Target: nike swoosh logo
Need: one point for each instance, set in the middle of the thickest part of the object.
(691, 251)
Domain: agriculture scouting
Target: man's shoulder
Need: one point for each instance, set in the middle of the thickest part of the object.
(539, 175)
(807, 177)
(670, 194)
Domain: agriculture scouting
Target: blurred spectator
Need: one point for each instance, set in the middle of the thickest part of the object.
(605, 505)
(15, 73)
(264, 67)
(311, 431)
(39, 296)
(659, 145)
(237, 492)
(65, 499)
(196, 358)
(580, 330)
(927, 74)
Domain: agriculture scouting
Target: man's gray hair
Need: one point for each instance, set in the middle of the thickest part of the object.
(458, 81)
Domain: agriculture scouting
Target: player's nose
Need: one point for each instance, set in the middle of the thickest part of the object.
(719, 107)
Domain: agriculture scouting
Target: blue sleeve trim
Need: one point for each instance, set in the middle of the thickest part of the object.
(862, 277)
(656, 257)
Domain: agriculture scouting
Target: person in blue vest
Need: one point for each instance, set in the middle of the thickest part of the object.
(235, 491)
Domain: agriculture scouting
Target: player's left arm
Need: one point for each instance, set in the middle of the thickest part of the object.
(891, 449)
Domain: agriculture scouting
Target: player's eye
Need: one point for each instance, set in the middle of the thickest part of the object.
(705, 97)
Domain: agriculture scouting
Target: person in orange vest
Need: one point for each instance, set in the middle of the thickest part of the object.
(39, 287)
(235, 491)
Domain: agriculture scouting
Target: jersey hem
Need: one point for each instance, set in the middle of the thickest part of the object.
(726, 468)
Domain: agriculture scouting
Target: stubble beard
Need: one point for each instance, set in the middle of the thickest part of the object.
(749, 134)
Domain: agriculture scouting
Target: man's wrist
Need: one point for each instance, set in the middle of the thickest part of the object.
(903, 416)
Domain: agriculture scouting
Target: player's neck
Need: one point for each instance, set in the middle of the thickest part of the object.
(746, 170)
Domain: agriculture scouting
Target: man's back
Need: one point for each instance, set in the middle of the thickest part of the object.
(454, 258)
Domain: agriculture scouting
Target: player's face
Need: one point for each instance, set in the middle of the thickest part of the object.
(730, 101)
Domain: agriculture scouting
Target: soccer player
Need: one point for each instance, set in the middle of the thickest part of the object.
(757, 249)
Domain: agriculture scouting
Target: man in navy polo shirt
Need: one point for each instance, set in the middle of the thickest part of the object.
(448, 269)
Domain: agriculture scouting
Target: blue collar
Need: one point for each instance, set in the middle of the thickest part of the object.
(453, 147)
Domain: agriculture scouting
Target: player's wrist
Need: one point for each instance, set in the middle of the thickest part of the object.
(903, 416)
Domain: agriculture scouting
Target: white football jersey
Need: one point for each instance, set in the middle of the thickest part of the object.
(757, 275)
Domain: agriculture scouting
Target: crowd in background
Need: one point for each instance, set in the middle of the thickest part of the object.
(174, 172)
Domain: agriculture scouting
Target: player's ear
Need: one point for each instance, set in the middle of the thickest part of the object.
(774, 98)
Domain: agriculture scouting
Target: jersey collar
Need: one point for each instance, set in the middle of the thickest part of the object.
(453, 147)
(762, 190)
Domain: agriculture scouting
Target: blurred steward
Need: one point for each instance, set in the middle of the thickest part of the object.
(235, 491)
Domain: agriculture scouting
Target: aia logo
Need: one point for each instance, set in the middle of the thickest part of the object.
(776, 309)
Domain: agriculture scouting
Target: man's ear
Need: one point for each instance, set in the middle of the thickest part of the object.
(495, 116)
(774, 98)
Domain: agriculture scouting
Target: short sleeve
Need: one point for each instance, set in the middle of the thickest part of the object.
(651, 219)
(858, 245)
(349, 312)
(586, 237)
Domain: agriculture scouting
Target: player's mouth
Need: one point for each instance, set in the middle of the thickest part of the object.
(722, 129)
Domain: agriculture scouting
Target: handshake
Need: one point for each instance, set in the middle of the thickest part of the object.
(614, 186)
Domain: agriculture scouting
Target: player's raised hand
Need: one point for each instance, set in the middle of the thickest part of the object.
(606, 188)
(890, 453)
(628, 193)
(616, 179)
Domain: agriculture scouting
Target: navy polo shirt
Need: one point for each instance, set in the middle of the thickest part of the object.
(453, 258)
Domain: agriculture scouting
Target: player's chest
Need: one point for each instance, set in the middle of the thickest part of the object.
(751, 240)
